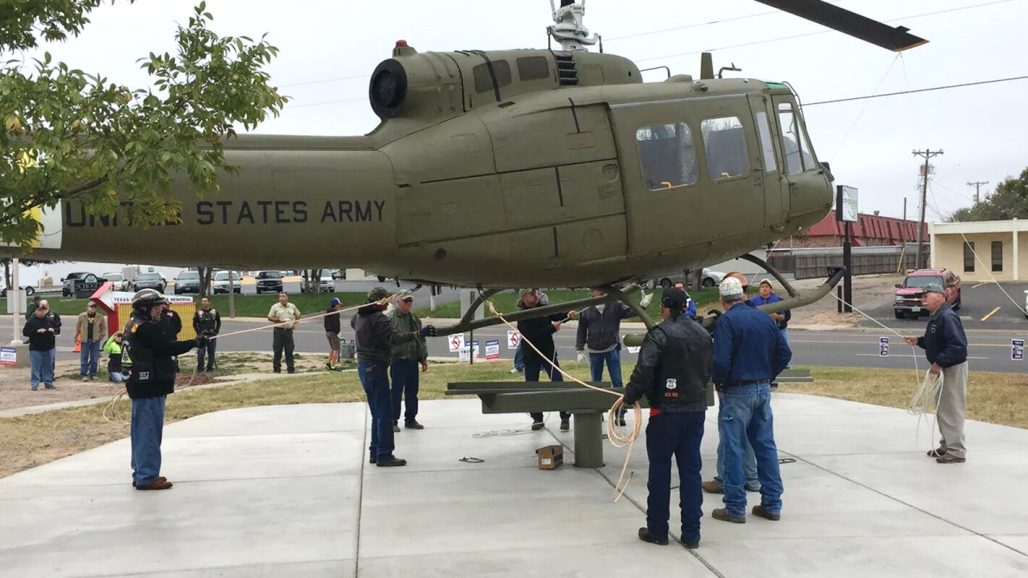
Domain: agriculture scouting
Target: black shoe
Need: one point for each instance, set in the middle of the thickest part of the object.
(565, 424)
(537, 425)
(291, 370)
(392, 462)
(372, 459)
(645, 536)
(277, 370)
(691, 545)
(413, 424)
(723, 515)
(621, 421)
(763, 513)
(396, 427)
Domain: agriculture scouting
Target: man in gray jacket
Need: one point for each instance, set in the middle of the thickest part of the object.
(599, 335)
(403, 368)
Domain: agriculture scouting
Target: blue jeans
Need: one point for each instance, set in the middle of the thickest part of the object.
(88, 358)
(146, 432)
(612, 359)
(519, 359)
(375, 380)
(207, 351)
(785, 336)
(675, 434)
(404, 374)
(749, 461)
(746, 413)
(42, 367)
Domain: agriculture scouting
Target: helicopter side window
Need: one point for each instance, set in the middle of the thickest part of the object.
(726, 147)
(768, 149)
(484, 80)
(667, 155)
(533, 68)
(795, 147)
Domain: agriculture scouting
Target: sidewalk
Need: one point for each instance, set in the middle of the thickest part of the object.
(286, 491)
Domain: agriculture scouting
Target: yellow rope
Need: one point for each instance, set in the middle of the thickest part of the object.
(614, 434)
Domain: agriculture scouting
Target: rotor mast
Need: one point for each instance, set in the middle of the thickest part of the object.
(567, 28)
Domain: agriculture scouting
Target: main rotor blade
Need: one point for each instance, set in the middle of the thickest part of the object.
(896, 39)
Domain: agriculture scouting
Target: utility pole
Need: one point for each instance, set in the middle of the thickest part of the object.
(927, 154)
(977, 189)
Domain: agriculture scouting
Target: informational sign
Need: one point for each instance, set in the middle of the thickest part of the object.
(8, 356)
(456, 342)
(513, 339)
(1017, 349)
(492, 349)
(846, 204)
(883, 347)
(465, 351)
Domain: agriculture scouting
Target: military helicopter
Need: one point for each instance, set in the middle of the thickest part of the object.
(511, 168)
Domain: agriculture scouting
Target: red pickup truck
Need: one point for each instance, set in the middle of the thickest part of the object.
(910, 291)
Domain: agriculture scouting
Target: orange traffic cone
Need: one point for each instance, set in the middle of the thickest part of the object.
(78, 346)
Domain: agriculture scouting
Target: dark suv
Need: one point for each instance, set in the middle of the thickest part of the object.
(269, 282)
(911, 290)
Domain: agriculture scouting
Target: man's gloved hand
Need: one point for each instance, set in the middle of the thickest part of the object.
(645, 301)
(202, 341)
(629, 399)
(428, 331)
(581, 358)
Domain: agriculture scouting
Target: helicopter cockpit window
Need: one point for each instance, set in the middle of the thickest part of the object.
(484, 80)
(767, 148)
(797, 151)
(533, 68)
(667, 155)
(726, 147)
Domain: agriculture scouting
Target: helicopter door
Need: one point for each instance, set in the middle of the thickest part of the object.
(776, 193)
(692, 173)
(802, 172)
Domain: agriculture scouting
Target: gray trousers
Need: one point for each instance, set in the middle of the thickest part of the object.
(950, 414)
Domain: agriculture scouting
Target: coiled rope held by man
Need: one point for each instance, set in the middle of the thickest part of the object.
(615, 434)
(108, 411)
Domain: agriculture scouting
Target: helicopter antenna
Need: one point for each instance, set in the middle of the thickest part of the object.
(567, 27)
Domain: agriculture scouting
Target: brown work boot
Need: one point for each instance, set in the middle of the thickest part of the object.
(392, 462)
(159, 478)
(156, 484)
(645, 536)
(723, 515)
(713, 487)
(761, 511)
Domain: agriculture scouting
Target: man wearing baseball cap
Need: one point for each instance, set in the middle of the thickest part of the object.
(404, 367)
(375, 340)
(332, 329)
(945, 346)
(749, 352)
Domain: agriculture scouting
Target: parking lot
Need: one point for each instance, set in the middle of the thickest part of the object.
(983, 306)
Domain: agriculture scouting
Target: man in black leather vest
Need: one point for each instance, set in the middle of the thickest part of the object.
(672, 372)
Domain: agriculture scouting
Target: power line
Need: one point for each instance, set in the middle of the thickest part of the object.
(916, 90)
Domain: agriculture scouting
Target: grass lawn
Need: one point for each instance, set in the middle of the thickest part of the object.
(507, 302)
(32, 440)
(246, 305)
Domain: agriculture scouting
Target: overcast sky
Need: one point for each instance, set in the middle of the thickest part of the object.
(329, 48)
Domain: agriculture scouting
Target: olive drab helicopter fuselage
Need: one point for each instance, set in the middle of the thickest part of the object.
(514, 168)
(503, 169)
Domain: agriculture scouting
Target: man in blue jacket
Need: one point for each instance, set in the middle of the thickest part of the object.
(749, 352)
(945, 346)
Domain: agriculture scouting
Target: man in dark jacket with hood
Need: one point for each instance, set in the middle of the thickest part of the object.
(672, 372)
(375, 340)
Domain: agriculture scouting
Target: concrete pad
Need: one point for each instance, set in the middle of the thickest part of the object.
(286, 491)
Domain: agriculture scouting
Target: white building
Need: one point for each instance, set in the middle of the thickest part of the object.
(1001, 248)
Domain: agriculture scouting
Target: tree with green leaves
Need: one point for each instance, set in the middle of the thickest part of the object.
(1008, 201)
(73, 134)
